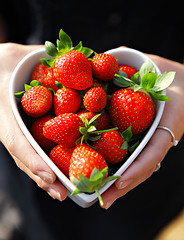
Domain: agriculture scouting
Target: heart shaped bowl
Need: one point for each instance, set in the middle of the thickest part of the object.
(22, 75)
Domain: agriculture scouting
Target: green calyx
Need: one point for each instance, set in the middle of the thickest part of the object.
(128, 139)
(146, 79)
(93, 184)
(63, 45)
(89, 131)
(33, 83)
(27, 87)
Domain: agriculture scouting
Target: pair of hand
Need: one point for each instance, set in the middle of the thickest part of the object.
(31, 163)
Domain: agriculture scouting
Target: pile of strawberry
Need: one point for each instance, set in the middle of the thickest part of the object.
(86, 110)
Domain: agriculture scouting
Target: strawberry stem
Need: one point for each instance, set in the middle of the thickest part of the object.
(106, 130)
(99, 197)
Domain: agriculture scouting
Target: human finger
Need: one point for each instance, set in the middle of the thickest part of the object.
(141, 169)
(56, 190)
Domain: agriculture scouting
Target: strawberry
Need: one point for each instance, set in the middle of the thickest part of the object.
(111, 147)
(104, 66)
(130, 108)
(133, 106)
(88, 170)
(84, 159)
(61, 156)
(37, 132)
(37, 101)
(67, 100)
(71, 66)
(63, 129)
(129, 70)
(44, 75)
(95, 99)
(103, 121)
(73, 70)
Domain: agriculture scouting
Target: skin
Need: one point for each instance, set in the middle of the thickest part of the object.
(37, 169)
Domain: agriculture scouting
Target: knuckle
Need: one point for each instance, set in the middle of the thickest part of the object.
(9, 48)
(42, 184)
(32, 166)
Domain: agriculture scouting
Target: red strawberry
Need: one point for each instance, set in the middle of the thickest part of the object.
(61, 156)
(130, 108)
(129, 70)
(103, 121)
(73, 70)
(88, 170)
(95, 99)
(84, 159)
(44, 75)
(104, 66)
(67, 100)
(37, 132)
(63, 129)
(109, 146)
(37, 101)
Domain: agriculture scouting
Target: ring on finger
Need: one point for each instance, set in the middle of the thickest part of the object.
(174, 142)
(158, 166)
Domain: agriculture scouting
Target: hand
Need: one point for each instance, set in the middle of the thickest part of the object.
(11, 135)
(160, 143)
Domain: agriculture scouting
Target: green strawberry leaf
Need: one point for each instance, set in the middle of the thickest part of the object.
(148, 80)
(19, 94)
(83, 130)
(75, 192)
(52, 91)
(146, 67)
(135, 78)
(86, 51)
(122, 74)
(96, 175)
(124, 145)
(137, 87)
(34, 83)
(78, 47)
(48, 62)
(122, 80)
(95, 138)
(91, 129)
(86, 122)
(111, 178)
(27, 87)
(164, 81)
(94, 118)
(59, 45)
(58, 84)
(133, 147)
(51, 49)
(65, 44)
(159, 96)
(127, 134)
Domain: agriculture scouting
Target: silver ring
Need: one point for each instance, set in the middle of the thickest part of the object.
(158, 166)
(174, 141)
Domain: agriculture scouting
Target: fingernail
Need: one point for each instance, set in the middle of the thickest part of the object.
(45, 176)
(122, 184)
(54, 194)
(107, 205)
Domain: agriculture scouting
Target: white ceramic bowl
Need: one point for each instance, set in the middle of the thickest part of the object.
(22, 75)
